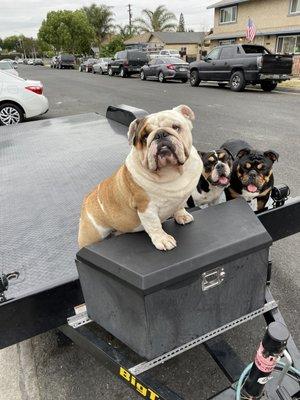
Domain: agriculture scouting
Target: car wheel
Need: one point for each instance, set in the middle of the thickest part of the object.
(184, 80)
(161, 77)
(10, 114)
(123, 73)
(110, 71)
(194, 78)
(237, 81)
(59, 67)
(268, 86)
(143, 76)
(222, 84)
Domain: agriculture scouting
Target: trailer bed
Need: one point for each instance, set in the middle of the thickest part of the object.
(46, 168)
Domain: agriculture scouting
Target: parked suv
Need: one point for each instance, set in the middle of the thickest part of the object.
(127, 62)
(65, 61)
(241, 65)
(169, 53)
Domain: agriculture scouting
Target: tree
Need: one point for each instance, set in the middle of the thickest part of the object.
(67, 31)
(126, 31)
(181, 26)
(116, 44)
(158, 20)
(101, 18)
(11, 43)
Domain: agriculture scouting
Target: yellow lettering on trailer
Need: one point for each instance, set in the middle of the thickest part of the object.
(143, 390)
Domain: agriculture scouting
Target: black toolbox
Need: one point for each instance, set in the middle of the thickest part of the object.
(155, 301)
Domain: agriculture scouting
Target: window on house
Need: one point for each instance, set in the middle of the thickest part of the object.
(288, 44)
(295, 6)
(228, 14)
(224, 42)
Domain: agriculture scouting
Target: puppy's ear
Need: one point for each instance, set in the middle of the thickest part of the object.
(186, 111)
(272, 155)
(243, 152)
(228, 152)
(202, 153)
(133, 130)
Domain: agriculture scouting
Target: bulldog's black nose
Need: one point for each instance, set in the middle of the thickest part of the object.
(161, 135)
(252, 174)
(219, 167)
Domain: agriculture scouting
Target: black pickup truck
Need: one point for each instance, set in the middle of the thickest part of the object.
(241, 65)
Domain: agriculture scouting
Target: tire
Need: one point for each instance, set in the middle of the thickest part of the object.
(110, 71)
(268, 86)
(222, 84)
(184, 80)
(161, 77)
(237, 81)
(10, 114)
(194, 78)
(143, 76)
(59, 67)
(123, 73)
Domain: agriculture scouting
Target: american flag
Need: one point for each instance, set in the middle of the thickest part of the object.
(251, 30)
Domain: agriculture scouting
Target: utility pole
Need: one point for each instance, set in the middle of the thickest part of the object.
(130, 17)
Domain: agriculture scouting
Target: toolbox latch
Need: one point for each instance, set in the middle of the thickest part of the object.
(213, 278)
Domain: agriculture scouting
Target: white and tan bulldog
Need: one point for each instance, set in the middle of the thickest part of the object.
(159, 174)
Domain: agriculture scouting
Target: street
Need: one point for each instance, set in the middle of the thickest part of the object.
(40, 370)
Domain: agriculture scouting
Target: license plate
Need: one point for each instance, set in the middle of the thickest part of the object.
(182, 69)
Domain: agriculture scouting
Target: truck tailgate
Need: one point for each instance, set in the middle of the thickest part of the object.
(276, 64)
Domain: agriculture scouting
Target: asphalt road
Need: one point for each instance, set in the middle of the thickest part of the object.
(40, 370)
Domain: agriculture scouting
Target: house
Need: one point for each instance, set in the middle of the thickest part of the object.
(188, 43)
(277, 24)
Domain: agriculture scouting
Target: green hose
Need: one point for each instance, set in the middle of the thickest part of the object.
(246, 372)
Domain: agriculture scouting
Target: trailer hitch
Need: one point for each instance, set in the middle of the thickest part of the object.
(4, 283)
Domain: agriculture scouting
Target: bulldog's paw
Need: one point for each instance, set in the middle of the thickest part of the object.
(182, 217)
(164, 241)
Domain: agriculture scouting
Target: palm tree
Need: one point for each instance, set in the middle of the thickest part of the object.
(101, 18)
(161, 19)
(127, 31)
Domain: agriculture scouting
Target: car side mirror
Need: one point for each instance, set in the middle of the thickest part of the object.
(207, 59)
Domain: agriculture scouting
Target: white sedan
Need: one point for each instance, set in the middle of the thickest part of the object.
(8, 67)
(20, 99)
(101, 66)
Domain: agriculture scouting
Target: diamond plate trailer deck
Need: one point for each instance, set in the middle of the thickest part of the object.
(46, 165)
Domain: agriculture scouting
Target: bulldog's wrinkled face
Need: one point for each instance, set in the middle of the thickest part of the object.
(254, 168)
(217, 167)
(163, 139)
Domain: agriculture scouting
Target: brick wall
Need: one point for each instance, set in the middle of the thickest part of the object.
(296, 66)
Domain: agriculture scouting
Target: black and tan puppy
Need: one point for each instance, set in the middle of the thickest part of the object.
(215, 177)
(252, 175)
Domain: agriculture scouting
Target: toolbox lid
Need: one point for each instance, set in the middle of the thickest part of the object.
(218, 234)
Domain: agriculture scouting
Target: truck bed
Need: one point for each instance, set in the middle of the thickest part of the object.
(46, 168)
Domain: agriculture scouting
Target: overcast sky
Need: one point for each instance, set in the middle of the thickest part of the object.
(25, 16)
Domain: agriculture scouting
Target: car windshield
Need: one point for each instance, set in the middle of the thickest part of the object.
(173, 60)
(174, 52)
(67, 57)
(249, 49)
(5, 65)
(133, 55)
(105, 59)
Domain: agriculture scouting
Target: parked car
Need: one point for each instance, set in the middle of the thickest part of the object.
(13, 62)
(20, 99)
(53, 62)
(38, 61)
(30, 61)
(169, 53)
(65, 61)
(165, 68)
(101, 66)
(8, 67)
(127, 62)
(20, 61)
(241, 65)
(87, 65)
